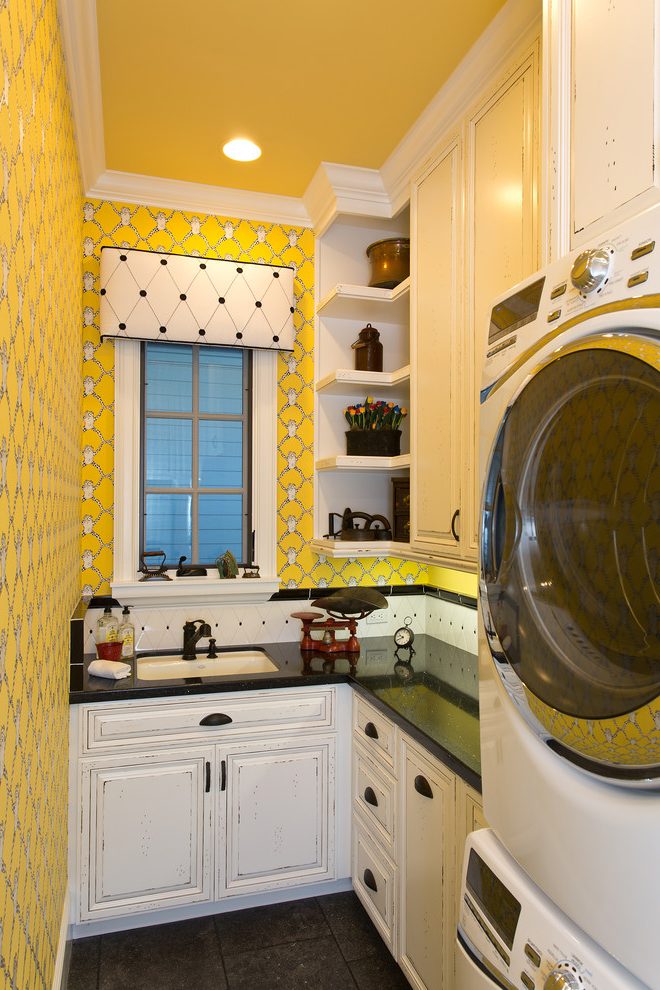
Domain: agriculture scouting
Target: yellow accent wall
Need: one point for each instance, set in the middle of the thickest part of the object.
(450, 580)
(151, 228)
(40, 385)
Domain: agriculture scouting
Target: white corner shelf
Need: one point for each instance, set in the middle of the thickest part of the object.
(368, 548)
(363, 302)
(345, 381)
(346, 462)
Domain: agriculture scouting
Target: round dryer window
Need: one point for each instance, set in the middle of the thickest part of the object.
(571, 550)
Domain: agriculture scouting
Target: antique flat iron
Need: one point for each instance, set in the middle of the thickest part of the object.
(373, 528)
(153, 572)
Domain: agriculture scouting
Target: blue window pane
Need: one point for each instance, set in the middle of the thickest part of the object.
(169, 453)
(168, 526)
(220, 453)
(221, 380)
(168, 377)
(220, 526)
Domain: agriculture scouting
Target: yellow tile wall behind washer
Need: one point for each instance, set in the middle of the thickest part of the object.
(155, 229)
(40, 274)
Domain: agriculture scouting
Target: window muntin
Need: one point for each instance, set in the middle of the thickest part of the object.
(195, 451)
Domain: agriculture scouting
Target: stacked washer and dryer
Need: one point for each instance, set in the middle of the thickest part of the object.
(563, 892)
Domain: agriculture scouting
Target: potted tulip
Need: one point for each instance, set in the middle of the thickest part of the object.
(373, 428)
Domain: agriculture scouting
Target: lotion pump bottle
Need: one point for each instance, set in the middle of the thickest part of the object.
(127, 635)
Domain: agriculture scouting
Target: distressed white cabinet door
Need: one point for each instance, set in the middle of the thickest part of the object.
(427, 872)
(435, 353)
(147, 838)
(278, 814)
(502, 239)
(602, 81)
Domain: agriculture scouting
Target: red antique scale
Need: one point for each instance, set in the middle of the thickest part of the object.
(344, 610)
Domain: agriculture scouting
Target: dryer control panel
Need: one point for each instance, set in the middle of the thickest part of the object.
(618, 274)
(513, 932)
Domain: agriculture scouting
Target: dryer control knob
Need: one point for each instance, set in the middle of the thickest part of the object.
(590, 270)
(563, 979)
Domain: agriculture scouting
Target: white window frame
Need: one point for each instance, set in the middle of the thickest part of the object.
(126, 584)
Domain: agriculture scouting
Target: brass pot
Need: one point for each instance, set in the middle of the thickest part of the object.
(390, 262)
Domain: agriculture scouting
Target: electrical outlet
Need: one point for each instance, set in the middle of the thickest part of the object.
(378, 617)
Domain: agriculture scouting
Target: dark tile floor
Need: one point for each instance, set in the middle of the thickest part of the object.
(323, 943)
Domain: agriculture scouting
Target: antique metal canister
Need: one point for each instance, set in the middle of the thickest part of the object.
(368, 350)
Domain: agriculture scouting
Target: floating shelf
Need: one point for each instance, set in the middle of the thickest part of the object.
(368, 548)
(345, 462)
(362, 302)
(344, 381)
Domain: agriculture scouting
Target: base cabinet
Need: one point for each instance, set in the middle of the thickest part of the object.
(427, 849)
(276, 815)
(147, 822)
(175, 826)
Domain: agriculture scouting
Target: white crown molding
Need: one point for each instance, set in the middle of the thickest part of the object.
(517, 20)
(195, 197)
(80, 42)
(345, 189)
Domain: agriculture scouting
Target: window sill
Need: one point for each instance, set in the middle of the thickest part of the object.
(208, 590)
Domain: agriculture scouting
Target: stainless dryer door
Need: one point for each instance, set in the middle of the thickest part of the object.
(570, 553)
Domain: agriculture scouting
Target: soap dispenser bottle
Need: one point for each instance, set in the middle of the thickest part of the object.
(127, 635)
(107, 627)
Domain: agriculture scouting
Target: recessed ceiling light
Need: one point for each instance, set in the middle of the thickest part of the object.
(242, 150)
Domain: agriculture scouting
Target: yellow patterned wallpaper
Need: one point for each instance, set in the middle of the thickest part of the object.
(155, 229)
(40, 388)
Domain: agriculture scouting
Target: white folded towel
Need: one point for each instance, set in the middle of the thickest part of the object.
(109, 668)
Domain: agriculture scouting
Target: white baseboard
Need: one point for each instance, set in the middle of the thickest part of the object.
(215, 907)
(63, 949)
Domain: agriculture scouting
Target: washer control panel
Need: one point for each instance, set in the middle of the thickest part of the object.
(620, 269)
(513, 931)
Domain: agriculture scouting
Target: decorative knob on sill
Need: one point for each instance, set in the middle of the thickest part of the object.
(590, 270)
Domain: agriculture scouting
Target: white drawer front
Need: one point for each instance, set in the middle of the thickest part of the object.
(374, 798)
(160, 723)
(374, 881)
(375, 732)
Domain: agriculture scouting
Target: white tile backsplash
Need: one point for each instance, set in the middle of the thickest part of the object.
(241, 625)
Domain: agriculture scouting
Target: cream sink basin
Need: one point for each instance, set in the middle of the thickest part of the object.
(228, 664)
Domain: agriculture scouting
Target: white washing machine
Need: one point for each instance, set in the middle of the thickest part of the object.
(569, 600)
(511, 936)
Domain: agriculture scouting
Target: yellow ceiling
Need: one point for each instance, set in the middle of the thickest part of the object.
(309, 81)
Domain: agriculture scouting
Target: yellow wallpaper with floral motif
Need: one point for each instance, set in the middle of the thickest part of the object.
(40, 305)
(150, 228)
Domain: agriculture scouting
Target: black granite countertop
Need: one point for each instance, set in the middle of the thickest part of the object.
(413, 690)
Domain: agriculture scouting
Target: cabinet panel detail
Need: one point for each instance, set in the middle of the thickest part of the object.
(148, 835)
(278, 803)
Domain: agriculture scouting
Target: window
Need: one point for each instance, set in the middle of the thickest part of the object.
(196, 441)
(128, 487)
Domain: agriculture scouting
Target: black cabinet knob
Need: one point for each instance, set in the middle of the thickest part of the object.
(216, 718)
(423, 787)
(370, 797)
(370, 881)
(371, 730)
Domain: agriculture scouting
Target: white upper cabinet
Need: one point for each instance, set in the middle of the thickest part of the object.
(601, 78)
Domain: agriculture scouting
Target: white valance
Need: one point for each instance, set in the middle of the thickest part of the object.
(147, 295)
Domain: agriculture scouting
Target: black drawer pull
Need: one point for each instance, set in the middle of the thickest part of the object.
(423, 787)
(453, 525)
(207, 787)
(223, 775)
(370, 797)
(371, 730)
(370, 881)
(216, 718)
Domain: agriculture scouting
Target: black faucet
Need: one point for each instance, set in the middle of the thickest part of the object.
(191, 637)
